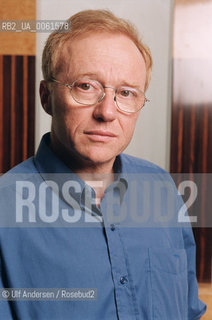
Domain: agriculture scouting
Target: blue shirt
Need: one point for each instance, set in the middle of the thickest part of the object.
(141, 264)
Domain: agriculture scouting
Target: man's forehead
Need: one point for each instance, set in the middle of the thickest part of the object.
(79, 45)
(102, 56)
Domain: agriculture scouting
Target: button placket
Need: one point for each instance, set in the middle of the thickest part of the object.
(119, 269)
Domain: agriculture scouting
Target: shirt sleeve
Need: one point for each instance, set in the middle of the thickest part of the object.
(196, 308)
(5, 310)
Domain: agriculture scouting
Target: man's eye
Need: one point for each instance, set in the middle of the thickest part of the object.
(125, 93)
(84, 86)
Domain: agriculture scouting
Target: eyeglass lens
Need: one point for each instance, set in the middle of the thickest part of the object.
(89, 92)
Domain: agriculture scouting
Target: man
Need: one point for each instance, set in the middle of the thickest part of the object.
(87, 233)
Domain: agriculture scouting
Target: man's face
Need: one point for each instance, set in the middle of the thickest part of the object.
(95, 134)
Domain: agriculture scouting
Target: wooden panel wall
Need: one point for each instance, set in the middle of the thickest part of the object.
(17, 43)
(191, 135)
(17, 86)
(191, 153)
(17, 109)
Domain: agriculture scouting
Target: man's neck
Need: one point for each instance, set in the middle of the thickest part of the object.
(98, 175)
(99, 182)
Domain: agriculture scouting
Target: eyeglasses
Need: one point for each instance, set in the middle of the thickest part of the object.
(89, 92)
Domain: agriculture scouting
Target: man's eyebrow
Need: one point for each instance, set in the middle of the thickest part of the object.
(94, 76)
(87, 74)
(131, 85)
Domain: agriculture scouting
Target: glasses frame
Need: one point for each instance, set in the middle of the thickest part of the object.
(70, 86)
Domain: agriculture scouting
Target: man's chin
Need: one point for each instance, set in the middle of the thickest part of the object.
(96, 158)
(99, 160)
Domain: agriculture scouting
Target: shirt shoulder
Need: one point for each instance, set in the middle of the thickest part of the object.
(26, 166)
(132, 164)
(22, 171)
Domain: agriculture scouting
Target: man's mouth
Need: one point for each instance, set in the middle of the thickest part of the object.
(100, 135)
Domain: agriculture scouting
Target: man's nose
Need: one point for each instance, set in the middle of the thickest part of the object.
(106, 109)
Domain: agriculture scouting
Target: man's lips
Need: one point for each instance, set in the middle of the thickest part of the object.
(100, 135)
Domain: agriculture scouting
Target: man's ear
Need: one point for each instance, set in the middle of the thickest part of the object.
(45, 97)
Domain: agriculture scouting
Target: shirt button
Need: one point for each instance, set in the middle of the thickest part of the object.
(123, 280)
(112, 227)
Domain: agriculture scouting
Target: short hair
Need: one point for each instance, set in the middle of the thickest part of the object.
(89, 21)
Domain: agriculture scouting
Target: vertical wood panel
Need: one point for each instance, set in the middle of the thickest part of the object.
(6, 150)
(17, 110)
(1, 111)
(13, 108)
(31, 105)
(19, 132)
(191, 134)
(25, 106)
(191, 152)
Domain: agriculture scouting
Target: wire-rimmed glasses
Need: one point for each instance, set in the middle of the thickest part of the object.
(90, 92)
